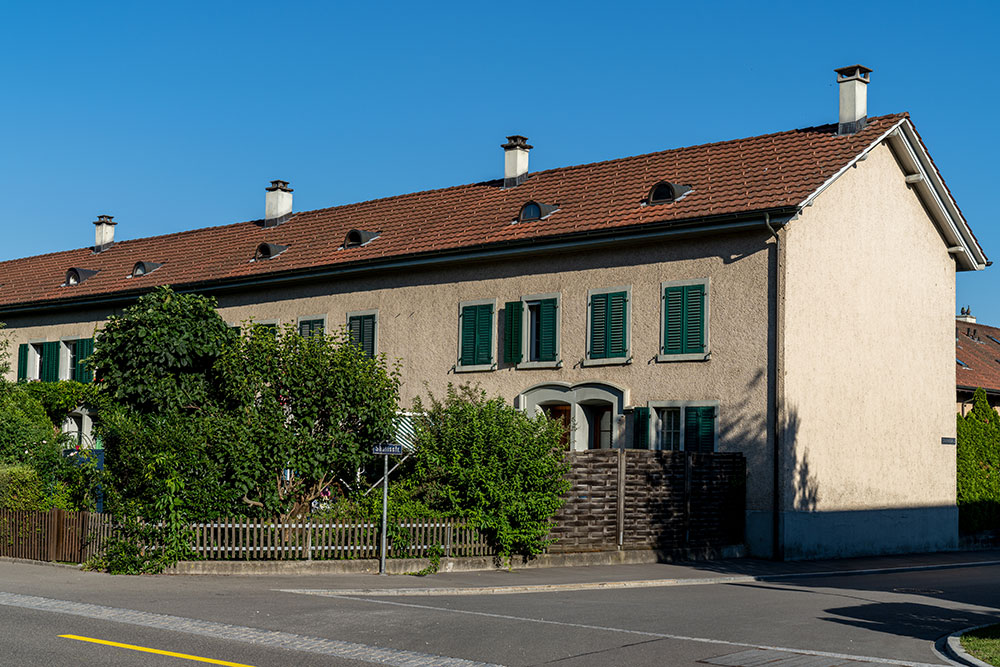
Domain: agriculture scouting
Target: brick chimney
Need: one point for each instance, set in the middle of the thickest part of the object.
(853, 84)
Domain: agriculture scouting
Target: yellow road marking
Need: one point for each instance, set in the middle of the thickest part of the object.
(133, 647)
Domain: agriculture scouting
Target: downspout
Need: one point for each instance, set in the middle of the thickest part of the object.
(777, 545)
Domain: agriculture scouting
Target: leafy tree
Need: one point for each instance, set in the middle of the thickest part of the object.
(308, 411)
(158, 355)
(26, 433)
(59, 398)
(484, 459)
(978, 466)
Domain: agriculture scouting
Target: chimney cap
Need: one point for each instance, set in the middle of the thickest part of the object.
(105, 220)
(859, 72)
(516, 141)
(279, 185)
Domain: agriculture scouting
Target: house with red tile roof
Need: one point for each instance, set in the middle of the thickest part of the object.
(707, 298)
(977, 362)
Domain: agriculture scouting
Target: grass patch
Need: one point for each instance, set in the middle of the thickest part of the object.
(984, 644)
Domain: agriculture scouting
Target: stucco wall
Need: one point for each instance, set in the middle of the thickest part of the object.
(869, 381)
(418, 323)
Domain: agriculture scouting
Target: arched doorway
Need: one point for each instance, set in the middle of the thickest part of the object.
(593, 411)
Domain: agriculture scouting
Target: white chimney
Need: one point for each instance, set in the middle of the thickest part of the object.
(277, 203)
(515, 160)
(853, 83)
(104, 233)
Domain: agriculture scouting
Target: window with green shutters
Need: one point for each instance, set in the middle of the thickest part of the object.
(640, 428)
(22, 362)
(309, 328)
(48, 363)
(476, 335)
(362, 329)
(83, 348)
(699, 429)
(531, 331)
(608, 326)
(683, 425)
(684, 328)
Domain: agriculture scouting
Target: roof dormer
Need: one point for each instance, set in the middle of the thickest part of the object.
(665, 192)
(359, 237)
(268, 251)
(75, 276)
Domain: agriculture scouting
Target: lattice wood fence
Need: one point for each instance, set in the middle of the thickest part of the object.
(254, 539)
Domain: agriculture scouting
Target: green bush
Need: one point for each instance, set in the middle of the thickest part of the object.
(26, 433)
(58, 399)
(485, 460)
(978, 467)
(21, 488)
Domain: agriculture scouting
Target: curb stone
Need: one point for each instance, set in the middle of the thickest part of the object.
(44, 563)
(953, 644)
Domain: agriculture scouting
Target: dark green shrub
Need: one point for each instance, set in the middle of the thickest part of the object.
(978, 467)
(21, 488)
(58, 399)
(486, 460)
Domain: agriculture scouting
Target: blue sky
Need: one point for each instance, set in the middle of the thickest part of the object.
(173, 116)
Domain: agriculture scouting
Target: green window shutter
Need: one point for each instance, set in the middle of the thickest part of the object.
(699, 429)
(50, 362)
(468, 346)
(599, 326)
(484, 341)
(84, 348)
(673, 320)
(547, 330)
(362, 331)
(512, 321)
(22, 361)
(617, 318)
(694, 319)
(684, 319)
(309, 328)
(640, 427)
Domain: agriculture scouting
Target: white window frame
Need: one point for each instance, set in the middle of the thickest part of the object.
(65, 370)
(34, 371)
(526, 332)
(654, 421)
(697, 356)
(363, 313)
(610, 361)
(475, 368)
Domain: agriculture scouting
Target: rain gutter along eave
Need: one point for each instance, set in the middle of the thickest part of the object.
(736, 222)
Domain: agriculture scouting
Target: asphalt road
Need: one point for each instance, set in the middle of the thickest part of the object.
(728, 613)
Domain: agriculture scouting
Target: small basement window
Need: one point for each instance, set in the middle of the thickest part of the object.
(664, 193)
(359, 237)
(269, 251)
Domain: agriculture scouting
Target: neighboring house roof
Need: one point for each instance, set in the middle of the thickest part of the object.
(772, 172)
(978, 347)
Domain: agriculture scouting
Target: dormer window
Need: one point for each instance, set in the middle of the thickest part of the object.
(359, 237)
(268, 251)
(75, 276)
(535, 211)
(142, 268)
(664, 193)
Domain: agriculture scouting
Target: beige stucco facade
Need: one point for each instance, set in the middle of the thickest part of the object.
(863, 323)
(868, 377)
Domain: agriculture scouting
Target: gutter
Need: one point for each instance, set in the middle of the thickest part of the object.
(565, 243)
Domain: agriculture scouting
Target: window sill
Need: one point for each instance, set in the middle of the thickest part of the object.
(477, 368)
(612, 361)
(528, 365)
(697, 356)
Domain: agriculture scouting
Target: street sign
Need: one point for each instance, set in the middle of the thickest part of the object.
(387, 448)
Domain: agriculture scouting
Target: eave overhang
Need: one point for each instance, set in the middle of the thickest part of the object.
(923, 176)
(674, 229)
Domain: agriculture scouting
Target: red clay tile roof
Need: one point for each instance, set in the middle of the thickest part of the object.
(978, 347)
(731, 177)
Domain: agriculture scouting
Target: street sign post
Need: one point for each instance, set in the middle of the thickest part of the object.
(385, 449)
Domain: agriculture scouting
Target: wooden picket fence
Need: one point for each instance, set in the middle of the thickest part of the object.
(255, 539)
(55, 535)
